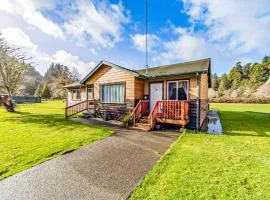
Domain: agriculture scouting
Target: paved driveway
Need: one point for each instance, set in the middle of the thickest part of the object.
(107, 169)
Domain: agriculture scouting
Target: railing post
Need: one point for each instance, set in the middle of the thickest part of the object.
(182, 110)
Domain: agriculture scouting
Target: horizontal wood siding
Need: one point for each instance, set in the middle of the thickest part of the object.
(192, 85)
(138, 90)
(109, 75)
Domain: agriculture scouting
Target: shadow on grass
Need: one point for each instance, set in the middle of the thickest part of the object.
(54, 121)
(245, 123)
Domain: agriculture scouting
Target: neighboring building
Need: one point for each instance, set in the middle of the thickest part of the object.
(116, 90)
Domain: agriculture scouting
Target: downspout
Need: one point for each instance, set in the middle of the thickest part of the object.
(87, 97)
(198, 102)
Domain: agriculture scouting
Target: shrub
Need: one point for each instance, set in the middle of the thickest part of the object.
(240, 100)
(126, 120)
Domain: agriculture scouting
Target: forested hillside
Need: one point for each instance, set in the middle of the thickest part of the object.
(49, 85)
(249, 80)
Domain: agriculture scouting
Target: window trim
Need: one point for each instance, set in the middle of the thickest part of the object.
(90, 87)
(109, 84)
(172, 81)
(79, 99)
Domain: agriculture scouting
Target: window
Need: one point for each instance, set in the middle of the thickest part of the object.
(177, 90)
(76, 94)
(90, 93)
(112, 93)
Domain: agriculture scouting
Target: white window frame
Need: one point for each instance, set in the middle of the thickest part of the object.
(90, 97)
(184, 80)
(124, 93)
(72, 92)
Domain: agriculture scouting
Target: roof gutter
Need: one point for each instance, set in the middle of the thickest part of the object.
(177, 74)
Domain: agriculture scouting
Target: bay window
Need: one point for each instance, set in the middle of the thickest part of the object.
(114, 93)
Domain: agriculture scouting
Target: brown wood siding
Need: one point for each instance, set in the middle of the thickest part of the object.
(138, 89)
(192, 85)
(109, 75)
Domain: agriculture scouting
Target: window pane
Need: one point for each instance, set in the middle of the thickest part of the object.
(182, 90)
(90, 93)
(76, 94)
(113, 93)
(172, 91)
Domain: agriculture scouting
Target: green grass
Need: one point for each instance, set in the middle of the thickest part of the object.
(38, 132)
(235, 165)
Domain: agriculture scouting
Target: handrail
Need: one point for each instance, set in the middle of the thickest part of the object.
(169, 109)
(139, 109)
(77, 108)
(152, 115)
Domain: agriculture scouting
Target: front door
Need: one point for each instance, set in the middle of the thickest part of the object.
(155, 93)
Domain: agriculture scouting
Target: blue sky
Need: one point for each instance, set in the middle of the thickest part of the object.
(83, 32)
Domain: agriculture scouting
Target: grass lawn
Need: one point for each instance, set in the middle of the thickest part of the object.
(39, 132)
(235, 165)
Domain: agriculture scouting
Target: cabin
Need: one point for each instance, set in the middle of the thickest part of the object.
(171, 94)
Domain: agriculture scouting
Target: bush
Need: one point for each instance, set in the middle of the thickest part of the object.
(240, 100)
(126, 120)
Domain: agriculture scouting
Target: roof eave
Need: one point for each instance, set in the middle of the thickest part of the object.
(177, 74)
(136, 74)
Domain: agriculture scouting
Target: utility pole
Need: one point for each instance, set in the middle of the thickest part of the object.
(146, 34)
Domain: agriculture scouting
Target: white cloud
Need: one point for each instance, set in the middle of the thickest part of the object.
(30, 13)
(243, 26)
(100, 23)
(139, 41)
(71, 61)
(16, 37)
(186, 47)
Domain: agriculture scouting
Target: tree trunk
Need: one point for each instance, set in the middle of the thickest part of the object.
(8, 105)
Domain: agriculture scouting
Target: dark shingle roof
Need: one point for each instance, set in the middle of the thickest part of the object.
(193, 67)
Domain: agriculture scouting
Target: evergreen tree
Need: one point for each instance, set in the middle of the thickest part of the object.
(224, 83)
(38, 92)
(235, 76)
(215, 82)
(46, 93)
(246, 70)
(259, 73)
(266, 59)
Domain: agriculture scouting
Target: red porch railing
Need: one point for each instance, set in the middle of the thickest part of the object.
(78, 107)
(169, 109)
(141, 108)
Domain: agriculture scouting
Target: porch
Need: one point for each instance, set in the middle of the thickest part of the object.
(164, 111)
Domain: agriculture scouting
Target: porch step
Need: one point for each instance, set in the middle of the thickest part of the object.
(143, 126)
(143, 119)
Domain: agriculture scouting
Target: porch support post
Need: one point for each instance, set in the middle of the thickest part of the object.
(87, 97)
(198, 102)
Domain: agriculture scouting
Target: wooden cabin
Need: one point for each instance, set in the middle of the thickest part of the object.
(174, 94)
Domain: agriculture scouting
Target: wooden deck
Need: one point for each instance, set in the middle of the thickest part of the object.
(165, 111)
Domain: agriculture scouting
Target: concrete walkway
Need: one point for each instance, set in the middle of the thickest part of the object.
(107, 169)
